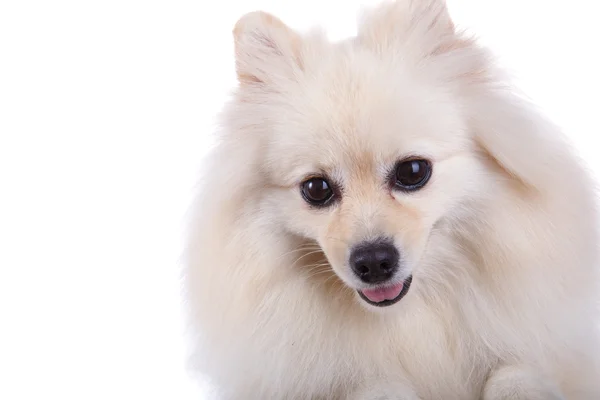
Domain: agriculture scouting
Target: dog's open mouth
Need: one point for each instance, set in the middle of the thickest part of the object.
(386, 295)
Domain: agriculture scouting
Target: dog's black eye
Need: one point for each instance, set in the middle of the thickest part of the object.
(317, 191)
(412, 174)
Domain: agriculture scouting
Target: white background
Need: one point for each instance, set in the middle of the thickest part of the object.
(106, 108)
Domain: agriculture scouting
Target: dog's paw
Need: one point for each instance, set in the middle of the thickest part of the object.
(519, 383)
(385, 391)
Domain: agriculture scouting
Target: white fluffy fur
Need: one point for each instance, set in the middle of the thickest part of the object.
(501, 242)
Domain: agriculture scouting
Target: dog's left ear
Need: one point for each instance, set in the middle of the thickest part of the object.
(426, 23)
(267, 51)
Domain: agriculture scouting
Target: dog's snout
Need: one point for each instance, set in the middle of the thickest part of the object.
(374, 262)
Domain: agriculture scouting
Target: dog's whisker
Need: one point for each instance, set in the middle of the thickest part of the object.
(320, 264)
(298, 249)
(328, 279)
(319, 273)
(318, 269)
(317, 265)
(303, 256)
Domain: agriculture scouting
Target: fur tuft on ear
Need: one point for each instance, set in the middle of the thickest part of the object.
(402, 22)
(422, 31)
(266, 50)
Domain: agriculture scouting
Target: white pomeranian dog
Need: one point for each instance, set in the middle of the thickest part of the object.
(384, 218)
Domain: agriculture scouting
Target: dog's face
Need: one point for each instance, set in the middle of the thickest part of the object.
(362, 153)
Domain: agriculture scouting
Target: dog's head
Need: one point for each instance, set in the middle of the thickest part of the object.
(364, 143)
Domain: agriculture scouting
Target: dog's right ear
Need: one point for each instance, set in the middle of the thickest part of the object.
(425, 25)
(266, 50)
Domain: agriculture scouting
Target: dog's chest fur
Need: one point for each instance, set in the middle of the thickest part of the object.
(324, 352)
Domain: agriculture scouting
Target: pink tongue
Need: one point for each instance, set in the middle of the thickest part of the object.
(381, 294)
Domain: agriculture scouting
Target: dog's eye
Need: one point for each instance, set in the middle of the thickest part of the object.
(412, 174)
(317, 191)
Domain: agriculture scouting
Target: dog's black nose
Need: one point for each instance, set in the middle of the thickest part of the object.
(374, 262)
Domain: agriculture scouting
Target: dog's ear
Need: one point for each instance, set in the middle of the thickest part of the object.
(266, 50)
(521, 140)
(394, 23)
